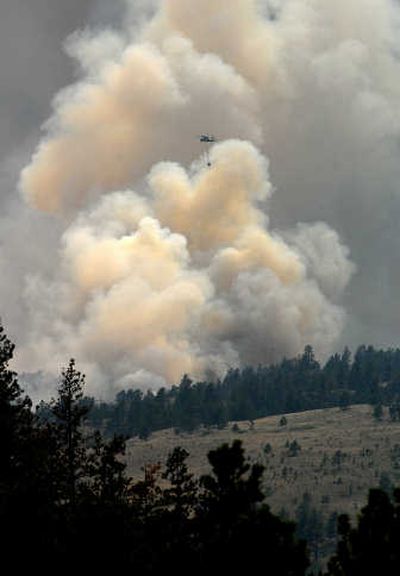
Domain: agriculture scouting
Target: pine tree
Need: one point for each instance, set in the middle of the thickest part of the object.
(15, 418)
(107, 471)
(70, 412)
(237, 530)
(372, 547)
(25, 490)
(180, 496)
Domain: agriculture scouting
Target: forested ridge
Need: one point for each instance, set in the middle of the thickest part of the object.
(292, 385)
(66, 501)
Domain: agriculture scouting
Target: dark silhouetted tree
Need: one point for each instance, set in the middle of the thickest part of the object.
(107, 470)
(372, 547)
(180, 496)
(70, 412)
(26, 486)
(237, 530)
(15, 419)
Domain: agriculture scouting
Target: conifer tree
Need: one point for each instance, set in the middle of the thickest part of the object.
(237, 531)
(70, 413)
(15, 419)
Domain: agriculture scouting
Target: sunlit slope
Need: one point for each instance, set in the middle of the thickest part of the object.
(342, 454)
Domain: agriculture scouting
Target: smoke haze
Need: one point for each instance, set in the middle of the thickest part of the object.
(146, 253)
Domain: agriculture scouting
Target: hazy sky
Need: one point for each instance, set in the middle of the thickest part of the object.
(33, 65)
(119, 245)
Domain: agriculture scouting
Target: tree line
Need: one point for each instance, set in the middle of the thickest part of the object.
(67, 502)
(292, 385)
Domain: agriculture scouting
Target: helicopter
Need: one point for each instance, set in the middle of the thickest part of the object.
(206, 138)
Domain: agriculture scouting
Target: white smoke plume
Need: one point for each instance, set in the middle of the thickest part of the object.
(176, 258)
(187, 277)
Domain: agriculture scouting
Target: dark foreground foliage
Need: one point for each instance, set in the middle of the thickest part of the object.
(66, 503)
(373, 546)
(65, 500)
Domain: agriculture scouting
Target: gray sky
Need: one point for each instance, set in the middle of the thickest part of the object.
(33, 68)
(32, 63)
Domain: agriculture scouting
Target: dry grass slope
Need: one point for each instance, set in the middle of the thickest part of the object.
(342, 454)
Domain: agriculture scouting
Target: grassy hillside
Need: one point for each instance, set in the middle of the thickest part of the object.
(334, 455)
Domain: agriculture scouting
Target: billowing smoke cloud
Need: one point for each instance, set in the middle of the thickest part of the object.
(187, 276)
(177, 258)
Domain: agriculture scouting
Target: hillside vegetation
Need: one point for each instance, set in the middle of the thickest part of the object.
(334, 455)
(292, 385)
(318, 463)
